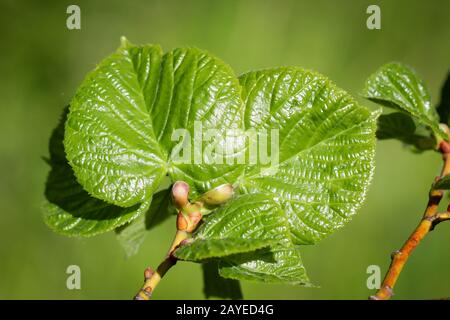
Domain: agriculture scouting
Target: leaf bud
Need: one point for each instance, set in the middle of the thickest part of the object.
(180, 191)
(218, 195)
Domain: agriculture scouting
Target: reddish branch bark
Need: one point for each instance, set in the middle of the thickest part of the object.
(429, 220)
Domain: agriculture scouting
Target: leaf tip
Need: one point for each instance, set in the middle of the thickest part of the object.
(124, 43)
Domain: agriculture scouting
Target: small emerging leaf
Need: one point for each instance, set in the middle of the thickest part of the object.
(275, 265)
(397, 86)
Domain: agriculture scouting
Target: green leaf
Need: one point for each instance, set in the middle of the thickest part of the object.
(326, 149)
(121, 120)
(250, 234)
(402, 127)
(246, 223)
(202, 249)
(216, 286)
(271, 265)
(71, 211)
(442, 183)
(397, 86)
(133, 234)
(443, 108)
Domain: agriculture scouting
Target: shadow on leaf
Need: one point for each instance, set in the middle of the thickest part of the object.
(69, 209)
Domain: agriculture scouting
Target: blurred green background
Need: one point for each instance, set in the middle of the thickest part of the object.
(42, 63)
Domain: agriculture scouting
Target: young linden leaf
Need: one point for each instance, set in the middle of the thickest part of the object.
(133, 234)
(216, 286)
(397, 86)
(119, 132)
(250, 234)
(69, 209)
(326, 149)
(246, 223)
(443, 108)
(280, 264)
(202, 249)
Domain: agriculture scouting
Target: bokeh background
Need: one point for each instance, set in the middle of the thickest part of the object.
(42, 63)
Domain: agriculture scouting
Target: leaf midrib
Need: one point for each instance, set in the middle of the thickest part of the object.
(161, 153)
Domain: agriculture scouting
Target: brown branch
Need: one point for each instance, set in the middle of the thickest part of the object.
(429, 220)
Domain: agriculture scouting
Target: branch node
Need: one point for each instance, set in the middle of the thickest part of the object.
(444, 147)
(395, 254)
(435, 196)
(148, 272)
(389, 291)
(147, 292)
(186, 242)
(429, 220)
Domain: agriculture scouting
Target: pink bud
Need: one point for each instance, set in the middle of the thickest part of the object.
(180, 191)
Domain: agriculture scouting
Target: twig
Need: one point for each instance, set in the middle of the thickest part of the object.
(152, 278)
(188, 218)
(429, 220)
